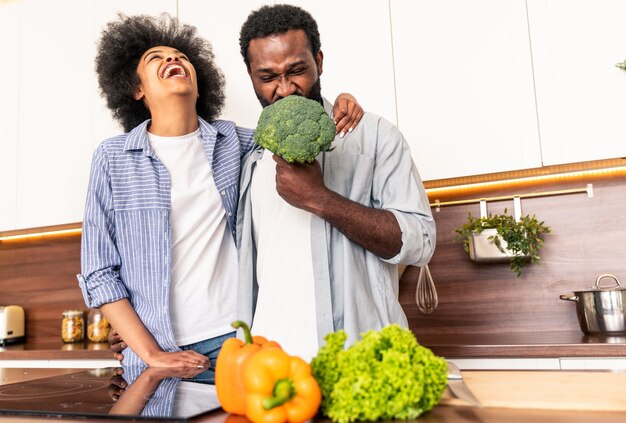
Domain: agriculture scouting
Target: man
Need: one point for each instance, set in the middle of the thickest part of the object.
(158, 251)
(319, 244)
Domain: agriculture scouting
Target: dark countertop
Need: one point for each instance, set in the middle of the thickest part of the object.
(53, 349)
(537, 385)
(526, 344)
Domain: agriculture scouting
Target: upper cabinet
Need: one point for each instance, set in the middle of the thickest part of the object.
(476, 86)
(9, 122)
(464, 86)
(221, 25)
(356, 42)
(358, 52)
(581, 95)
(52, 113)
(54, 125)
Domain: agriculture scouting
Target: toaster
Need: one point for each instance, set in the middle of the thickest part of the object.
(11, 324)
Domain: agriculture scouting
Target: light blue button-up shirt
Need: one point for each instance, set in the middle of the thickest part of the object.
(126, 245)
(355, 290)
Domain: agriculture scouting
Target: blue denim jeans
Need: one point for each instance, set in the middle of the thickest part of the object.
(210, 348)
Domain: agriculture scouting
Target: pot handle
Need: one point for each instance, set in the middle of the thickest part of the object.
(607, 275)
(569, 297)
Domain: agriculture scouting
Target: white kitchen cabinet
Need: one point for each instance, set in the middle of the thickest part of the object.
(581, 95)
(593, 363)
(55, 87)
(104, 11)
(52, 114)
(506, 363)
(9, 117)
(464, 86)
(358, 56)
(356, 42)
(221, 25)
(556, 363)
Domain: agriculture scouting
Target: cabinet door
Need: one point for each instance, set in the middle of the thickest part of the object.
(221, 25)
(105, 11)
(9, 77)
(50, 97)
(55, 90)
(356, 41)
(581, 95)
(464, 86)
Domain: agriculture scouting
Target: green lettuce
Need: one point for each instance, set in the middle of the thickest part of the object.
(385, 375)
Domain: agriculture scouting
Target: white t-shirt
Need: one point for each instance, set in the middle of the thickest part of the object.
(285, 309)
(204, 258)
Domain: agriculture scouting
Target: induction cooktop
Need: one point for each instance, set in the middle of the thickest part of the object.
(98, 393)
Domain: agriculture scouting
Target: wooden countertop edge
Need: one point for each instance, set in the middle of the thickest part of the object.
(51, 354)
(449, 351)
(530, 351)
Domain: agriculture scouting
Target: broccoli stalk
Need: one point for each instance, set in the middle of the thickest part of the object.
(386, 375)
(295, 128)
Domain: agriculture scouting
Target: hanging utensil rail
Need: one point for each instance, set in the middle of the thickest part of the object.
(589, 190)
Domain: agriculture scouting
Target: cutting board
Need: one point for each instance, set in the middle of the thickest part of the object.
(549, 390)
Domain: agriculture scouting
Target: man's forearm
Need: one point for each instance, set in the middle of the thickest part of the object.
(375, 230)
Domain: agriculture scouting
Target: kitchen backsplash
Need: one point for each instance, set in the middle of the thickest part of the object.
(587, 239)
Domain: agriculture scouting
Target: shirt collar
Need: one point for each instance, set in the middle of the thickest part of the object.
(138, 137)
(328, 107)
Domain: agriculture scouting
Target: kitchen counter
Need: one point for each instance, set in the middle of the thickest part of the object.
(511, 396)
(496, 345)
(526, 344)
(52, 349)
(500, 345)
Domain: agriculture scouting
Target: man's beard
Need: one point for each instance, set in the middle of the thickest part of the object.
(315, 94)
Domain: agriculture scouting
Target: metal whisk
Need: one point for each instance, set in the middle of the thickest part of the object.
(426, 293)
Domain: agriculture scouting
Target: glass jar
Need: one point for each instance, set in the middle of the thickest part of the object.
(73, 326)
(97, 326)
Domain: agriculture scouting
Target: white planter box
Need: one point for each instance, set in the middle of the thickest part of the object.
(484, 250)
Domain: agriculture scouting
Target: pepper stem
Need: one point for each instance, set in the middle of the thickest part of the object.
(246, 330)
(283, 392)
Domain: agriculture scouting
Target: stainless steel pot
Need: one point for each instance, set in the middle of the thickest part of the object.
(601, 310)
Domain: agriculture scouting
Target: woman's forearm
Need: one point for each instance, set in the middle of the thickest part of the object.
(125, 320)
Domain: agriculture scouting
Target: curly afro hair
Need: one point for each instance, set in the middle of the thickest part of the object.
(278, 19)
(121, 46)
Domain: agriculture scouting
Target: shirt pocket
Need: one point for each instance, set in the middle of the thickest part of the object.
(350, 175)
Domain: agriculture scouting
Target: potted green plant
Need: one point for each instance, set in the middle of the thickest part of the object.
(500, 237)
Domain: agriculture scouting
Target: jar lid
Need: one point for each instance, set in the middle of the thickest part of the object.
(72, 313)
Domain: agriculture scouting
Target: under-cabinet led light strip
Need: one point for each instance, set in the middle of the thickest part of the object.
(620, 170)
(41, 234)
(432, 192)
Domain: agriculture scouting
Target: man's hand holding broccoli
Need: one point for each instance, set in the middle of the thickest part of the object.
(292, 178)
(298, 129)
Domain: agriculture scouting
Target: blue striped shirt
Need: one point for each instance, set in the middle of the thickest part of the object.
(126, 246)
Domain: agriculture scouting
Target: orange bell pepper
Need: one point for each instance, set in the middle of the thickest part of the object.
(280, 388)
(231, 361)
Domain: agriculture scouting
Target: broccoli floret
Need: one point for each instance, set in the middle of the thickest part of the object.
(386, 375)
(295, 128)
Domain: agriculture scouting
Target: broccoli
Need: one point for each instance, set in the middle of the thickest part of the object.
(386, 375)
(295, 128)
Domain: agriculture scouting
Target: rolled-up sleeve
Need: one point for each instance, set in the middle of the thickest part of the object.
(100, 261)
(398, 188)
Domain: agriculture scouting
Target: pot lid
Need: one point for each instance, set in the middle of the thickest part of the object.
(598, 287)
